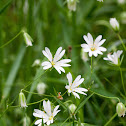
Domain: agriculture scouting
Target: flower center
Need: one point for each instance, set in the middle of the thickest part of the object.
(50, 118)
(93, 49)
(52, 63)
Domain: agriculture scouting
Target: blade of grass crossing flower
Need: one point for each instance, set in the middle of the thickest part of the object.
(82, 103)
(14, 70)
(37, 77)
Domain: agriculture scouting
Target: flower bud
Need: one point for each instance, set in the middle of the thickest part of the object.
(22, 100)
(41, 87)
(28, 39)
(72, 108)
(36, 63)
(121, 1)
(71, 5)
(100, 0)
(114, 23)
(84, 55)
(120, 109)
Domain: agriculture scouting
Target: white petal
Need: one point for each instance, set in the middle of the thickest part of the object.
(38, 121)
(101, 42)
(119, 52)
(69, 77)
(57, 68)
(77, 83)
(46, 65)
(86, 39)
(90, 53)
(77, 78)
(56, 110)
(102, 49)
(90, 38)
(98, 39)
(76, 95)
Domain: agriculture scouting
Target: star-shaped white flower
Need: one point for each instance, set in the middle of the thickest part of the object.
(114, 58)
(58, 65)
(73, 87)
(93, 47)
(47, 115)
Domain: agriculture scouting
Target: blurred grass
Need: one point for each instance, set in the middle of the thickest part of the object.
(51, 24)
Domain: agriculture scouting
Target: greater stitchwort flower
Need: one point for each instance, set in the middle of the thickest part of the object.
(114, 23)
(58, 65)
(93, 47)
(73, 86)
(114, 58)
(47, 115)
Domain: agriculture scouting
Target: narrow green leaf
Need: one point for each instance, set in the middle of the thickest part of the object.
(82, 103)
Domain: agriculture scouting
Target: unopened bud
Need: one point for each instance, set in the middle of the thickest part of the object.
(84, 55)
(114, 23)
(28, 39)
(120, 109)
(72, 108)
(41, 87)
(22, 100)
(72, 4)
(37, 62)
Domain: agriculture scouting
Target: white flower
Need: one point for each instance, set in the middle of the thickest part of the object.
(28, 39)
(41, 88)
(100, 0)
(22, 100)
(114, 23)
(47, 115)
(84, 55)
(114, 58)
(73, 87)
(93, 47)
(72, 4)
(58, 65)
(36, 62)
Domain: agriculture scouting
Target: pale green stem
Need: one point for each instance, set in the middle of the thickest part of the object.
(36, 93)
(91, 64)
(121, 41)
(111, 119)
(106, 96)
(122, 80)
(11, 39)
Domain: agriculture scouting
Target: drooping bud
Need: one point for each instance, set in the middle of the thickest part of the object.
(72, 5)
(72, 107)
(22, 100)
(28, 39)
(37, 62)
(41, 87)
(114, 23)
(120, 109)
(100, 0)
(84, 55)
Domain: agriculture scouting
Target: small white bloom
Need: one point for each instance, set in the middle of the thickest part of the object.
(73, 86)
(114, 23)
(84, 55)
(41, 87)
(72, 4)
(47, 115)
(58, 65)
(100, 0)
(37, 62)
(114, 58)
(93, 47)
(121, 1)
(22, 100)
(28, 39)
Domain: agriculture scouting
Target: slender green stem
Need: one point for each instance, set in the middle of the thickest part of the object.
(36, 93)
(111, 119)
(73, 120)
(121, 41)
(106, 96)
(64, 93)
(11, 39)
(91, 64)
(122, 80)
(34, 80)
